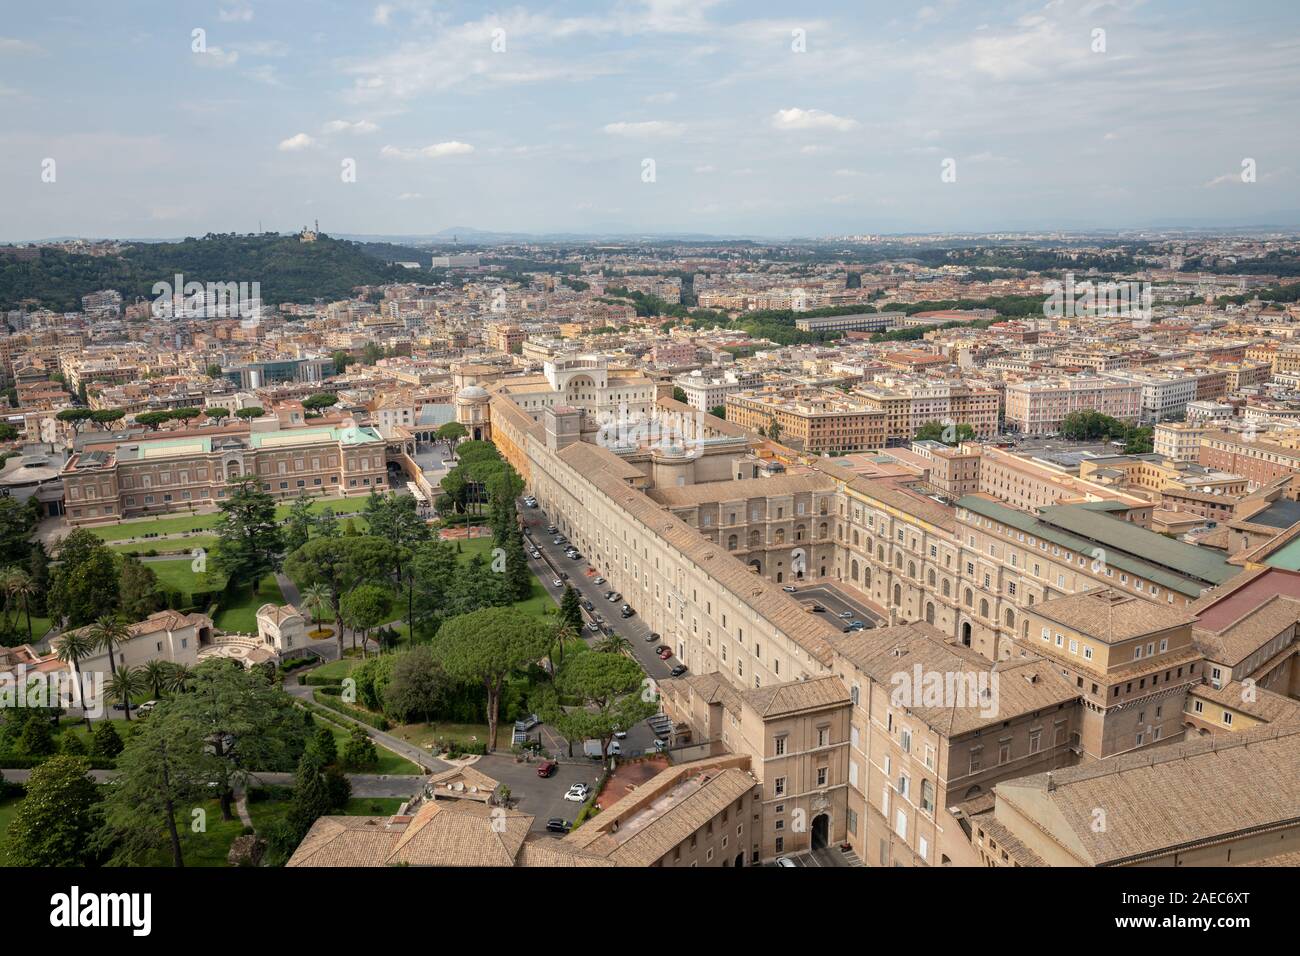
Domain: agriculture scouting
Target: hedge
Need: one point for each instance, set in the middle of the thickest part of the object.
(323, 697)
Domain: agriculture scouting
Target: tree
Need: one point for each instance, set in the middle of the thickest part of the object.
(105, 741)
(37, 738)
(297, 528)
(19, 590)
(321, 747)
(360, 753)
(55, 824)
(949, 433)
(214, 370)
(248, 535)
(139, 591)
(164, 768)
(72, 648)
(252, 411)
(718, 411)
(152, 420)
(18, 519)
(679, 394)
(156, 675)
(519, 578)
(433, 569)
(610, 687)
(320, 400)
(339, 564)
(485, 646)
(185, 414)
(85, 581)
(363, 608)
(417, 688)
(371, 353)
(245, 722)
(613, 644)
(326, 524)
(314, 600)
(450, 434)
(310, 800)
(125, 682)
(774, 429)
(219, 414)
(571, 609)
(341, 361)
(74, 417)
(38, 566)
(106, 416)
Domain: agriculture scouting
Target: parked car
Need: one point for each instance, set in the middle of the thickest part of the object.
(845, 615)
(556, 825)
(593, 627)
(598, 580)
(660, 745)
(146, 707)
(547, 768)
(551, 529)
(575, 555)
(558, 583)
(577, 793)
(626, 611)
(856, 625)
(789, 589)
(613, 597)
(651, 638)
(587, 604)
(785, 861)
(678, 671)
(615, 748)
(666, 653)
(817, 609)
(559, 539)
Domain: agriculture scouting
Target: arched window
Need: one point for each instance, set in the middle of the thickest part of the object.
(898, 596)
(947, 588)
(732, 543)
(929, 612)
(930, 577)
(780, 535)
(821, 530)
(798, 532)
(911, 569)
(1011, 618)
(898, 560)
(984, 608)
(853, 570)
(880, 552)
(970, 598)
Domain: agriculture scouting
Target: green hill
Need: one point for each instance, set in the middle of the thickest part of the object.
(288, 270)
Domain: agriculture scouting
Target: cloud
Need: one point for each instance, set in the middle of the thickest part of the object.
(12, 45)
(382, 15)
(706, 169)
(240, 13)
(434, 151)
(344, 126)
(217, 56)
(656, 128)
(406, 197)
(799, 119)
(296, 142)
(661, 97)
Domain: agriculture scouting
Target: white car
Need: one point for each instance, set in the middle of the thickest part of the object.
(597, 580)
(577, 793)
(789, 589)
(786, 861)
(558, 583)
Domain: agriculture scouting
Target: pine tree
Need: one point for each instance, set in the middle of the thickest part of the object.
(105, 740)
(311, 799)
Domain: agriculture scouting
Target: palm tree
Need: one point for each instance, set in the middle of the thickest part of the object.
(125, 683)
(560, 635)
(72, 648)
(180, 677)
(315, 599)
(109, 633)
(614, 644)
(157, 676)
(18, 584)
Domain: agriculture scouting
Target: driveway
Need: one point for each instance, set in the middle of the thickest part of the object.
(543, 798)
(836, 602)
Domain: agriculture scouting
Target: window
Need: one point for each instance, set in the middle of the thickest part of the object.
(778, 786)
(900, 824)
(922, 848)
(822, 773)
(780, 746)
(1227, 718)
(927, 796)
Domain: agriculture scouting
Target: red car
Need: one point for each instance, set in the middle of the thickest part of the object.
(546, 768)
(665, 652)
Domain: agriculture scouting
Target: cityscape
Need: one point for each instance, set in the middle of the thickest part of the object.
(764, 478)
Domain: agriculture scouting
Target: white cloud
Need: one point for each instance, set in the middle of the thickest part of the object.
(345, 126)
(240, 13)
(11, 45)
(382, 15)
(434, 151)
(658, 128)
(296, 142)
(406, 197)
(661, 97)
(217, 56)
(706, 169)
(799, 119)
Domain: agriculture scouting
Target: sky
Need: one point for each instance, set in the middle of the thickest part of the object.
(143, 119)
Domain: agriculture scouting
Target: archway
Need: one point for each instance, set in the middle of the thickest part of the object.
(740, 859)
(821, 829)
(965, 633)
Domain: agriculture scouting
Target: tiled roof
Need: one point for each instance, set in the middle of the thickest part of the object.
(1111, 616)
(1166, 797)
(1236, 641)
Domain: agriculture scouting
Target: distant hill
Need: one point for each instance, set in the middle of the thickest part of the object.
(287, 270)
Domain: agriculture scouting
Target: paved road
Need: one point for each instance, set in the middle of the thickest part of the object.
(555, 561)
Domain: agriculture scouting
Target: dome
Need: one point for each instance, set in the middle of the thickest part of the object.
(472, 393)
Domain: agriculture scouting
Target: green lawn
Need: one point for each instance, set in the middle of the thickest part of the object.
(179, 575)
(336, 670)
(424, 734)
(39, 626)
(168, 545)
(208, 847)
(7, 810)
(178, 524)
(373, 806)
(238, 610)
